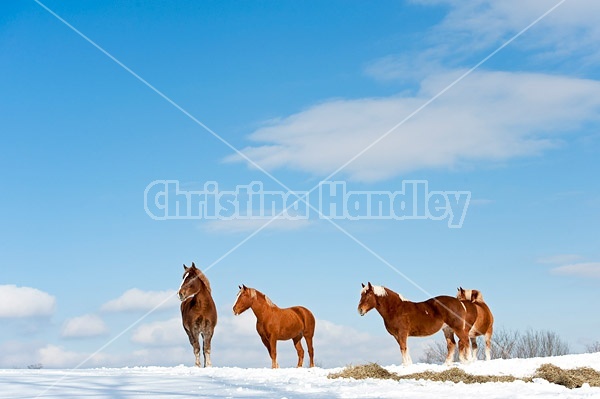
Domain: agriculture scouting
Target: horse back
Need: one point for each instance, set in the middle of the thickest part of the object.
(447, 306)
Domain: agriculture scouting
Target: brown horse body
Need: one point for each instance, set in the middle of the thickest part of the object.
(198, 311)
(403, 318)
(276, 324)
(479, 319)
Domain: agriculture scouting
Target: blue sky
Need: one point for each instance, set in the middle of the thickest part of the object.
(300, 89)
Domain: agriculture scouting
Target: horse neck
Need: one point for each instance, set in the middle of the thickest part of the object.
(202, 289)
(389, 304)
(261, 306)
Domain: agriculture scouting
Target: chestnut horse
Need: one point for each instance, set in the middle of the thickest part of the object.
(479, 319)
(198, 311)
(403, 318)
(275, 324)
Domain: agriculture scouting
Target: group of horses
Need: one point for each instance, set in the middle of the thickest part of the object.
(467, 316)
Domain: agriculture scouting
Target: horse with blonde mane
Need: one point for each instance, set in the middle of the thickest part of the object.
(479, 320)
(275, 324)
(198, 311)
(403, 318)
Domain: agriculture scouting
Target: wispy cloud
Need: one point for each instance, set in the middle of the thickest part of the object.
(249, 225)
(491, 116)
(583, 269)
(22, 302)
(135, 300)
(474, 25)
(559, 259)
(84, 326)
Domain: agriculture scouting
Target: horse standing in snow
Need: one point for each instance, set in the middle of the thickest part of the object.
(198, 311)
(479, 320)
(403, 318)
(275, 324)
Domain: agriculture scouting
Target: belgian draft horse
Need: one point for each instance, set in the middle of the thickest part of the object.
(198, 311)
(403, 318)
(479, 320)
(275, 324)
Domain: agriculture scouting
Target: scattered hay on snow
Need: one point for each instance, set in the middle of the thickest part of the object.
(457, 375)
(373, 370)
(573, 378)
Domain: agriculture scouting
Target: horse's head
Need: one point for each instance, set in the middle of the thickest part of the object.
(368, 299)
(191, 284)
(244, 300)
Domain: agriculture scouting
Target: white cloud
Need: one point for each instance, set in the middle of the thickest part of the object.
(583, 269)
(85, 326)
(235, 343)
(20, 302)
(489, 116)
(138, 300)
(54, 356)
(160, 333)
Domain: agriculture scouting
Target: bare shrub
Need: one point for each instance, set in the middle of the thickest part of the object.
(435, 352)
(508, 344)
(540, 344)
(593, 347)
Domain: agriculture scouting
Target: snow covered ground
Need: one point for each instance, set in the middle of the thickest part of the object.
(232, 382)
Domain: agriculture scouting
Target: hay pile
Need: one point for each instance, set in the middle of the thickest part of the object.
(361, 372)
(573, 378)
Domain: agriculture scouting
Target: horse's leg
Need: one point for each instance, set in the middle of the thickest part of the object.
(450, 343)
(401, 338)
(206, 338)
(273, 352)
(474, 348)
(464, 345)
(311, 352)
(265, 342)
(193, 337)
(299, 350)
(488, 344)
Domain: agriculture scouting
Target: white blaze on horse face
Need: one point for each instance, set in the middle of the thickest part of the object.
(183, 281)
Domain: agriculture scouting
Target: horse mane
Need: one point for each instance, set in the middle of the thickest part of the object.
(253, 293)
(380, 290)
(403, 299)
(471, 295)
(204, 279)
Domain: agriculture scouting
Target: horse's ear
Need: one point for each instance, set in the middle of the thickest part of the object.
(193, 265)
(362, 285)
(244, 287)
(369, 285)
(185, 267)
(240, 287)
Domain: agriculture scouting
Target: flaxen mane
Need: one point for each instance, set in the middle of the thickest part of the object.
(204, 279)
